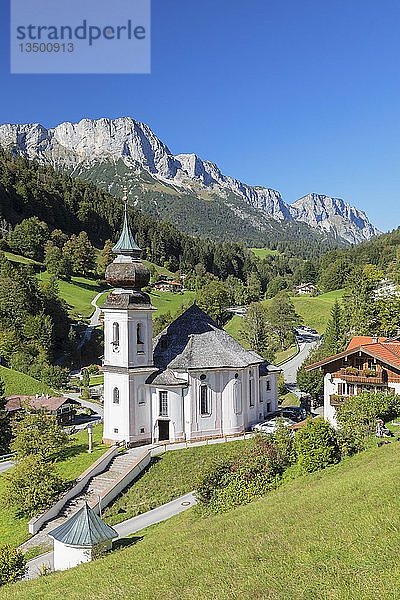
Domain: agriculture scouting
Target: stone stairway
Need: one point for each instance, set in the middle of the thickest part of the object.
(96, 487)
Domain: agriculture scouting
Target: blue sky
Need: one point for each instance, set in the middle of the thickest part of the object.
(298, 95)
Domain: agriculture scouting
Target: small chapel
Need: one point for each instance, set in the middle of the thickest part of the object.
(191, 382)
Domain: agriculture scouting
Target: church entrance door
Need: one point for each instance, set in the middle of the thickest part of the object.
(163, 431)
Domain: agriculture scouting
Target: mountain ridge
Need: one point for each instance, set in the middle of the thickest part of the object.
(84, 147)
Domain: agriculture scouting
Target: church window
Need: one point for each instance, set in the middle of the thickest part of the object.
(251, 392)
(268, 407)
(141, 396)
(116, 395)
(115, 341)
(205, 401)
(163, 400)
(237, 397)
(268, 386)
(139, 339)
(115, 430)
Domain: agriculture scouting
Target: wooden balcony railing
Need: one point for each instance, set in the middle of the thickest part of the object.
(380, 378)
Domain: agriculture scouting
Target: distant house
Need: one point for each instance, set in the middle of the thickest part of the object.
(385, 288)
(367, 364)
(62, 408)
(306, 289)
(166, 285)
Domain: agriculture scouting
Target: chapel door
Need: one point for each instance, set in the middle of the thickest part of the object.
(163, 431)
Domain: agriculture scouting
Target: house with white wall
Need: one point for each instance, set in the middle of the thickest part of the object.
(367, 364)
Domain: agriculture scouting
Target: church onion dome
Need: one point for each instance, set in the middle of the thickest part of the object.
(127, 271)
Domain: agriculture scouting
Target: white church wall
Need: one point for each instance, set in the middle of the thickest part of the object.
(116, 421)
(206, 424)
(174, 416)
(115, 354)
(232, 402)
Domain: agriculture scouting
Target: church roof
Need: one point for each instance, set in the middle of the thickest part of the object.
(126, 243)
(195, 341)
(167, 378)
(84, 528)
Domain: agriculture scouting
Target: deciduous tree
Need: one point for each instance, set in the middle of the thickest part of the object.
(37, 432)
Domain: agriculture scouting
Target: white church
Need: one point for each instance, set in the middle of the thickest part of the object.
(193, 381)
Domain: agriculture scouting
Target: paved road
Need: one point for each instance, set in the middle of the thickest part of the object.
(94, 321)
(5, 465)
(307, 342)
(125, 528)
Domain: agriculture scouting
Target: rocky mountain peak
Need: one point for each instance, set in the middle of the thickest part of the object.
(79, 147)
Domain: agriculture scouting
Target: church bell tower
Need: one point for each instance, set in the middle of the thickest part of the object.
(128, 349)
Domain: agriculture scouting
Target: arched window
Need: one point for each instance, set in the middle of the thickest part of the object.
(251, 391)
(205, 401)
(237, 396)
(116, 395)
(139, 339)
(115, 334)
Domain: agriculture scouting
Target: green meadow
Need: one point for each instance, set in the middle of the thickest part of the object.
(331, 535)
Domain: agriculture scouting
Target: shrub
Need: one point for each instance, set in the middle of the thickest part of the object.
(244, 478)
(357, 417)
(316, 445)
(284, 442)
(12, 565)
(32, 486)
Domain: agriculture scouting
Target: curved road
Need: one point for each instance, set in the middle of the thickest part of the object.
(306, 341)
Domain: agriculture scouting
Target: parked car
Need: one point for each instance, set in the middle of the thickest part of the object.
(295, 413)
(271, 425)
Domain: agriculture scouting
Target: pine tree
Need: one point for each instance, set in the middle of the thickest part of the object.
(334, 338)
(258, 333)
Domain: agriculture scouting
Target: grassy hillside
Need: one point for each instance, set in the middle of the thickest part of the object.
(77, 293)
(20, 383)
(315, 312)
(264, 252)
(330, 535)
(171, 475)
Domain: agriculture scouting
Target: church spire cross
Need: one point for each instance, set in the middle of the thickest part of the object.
(126, 244)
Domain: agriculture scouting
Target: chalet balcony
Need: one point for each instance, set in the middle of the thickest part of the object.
(367, 377)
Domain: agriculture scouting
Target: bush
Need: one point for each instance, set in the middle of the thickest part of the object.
(284, 442)
(242, 479)
(357, 417)
(316, 445)
(12, 565)
(32, 486)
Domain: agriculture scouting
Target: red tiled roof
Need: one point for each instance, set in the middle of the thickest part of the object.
(52, 403)
(386, 351)
(362, 340)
